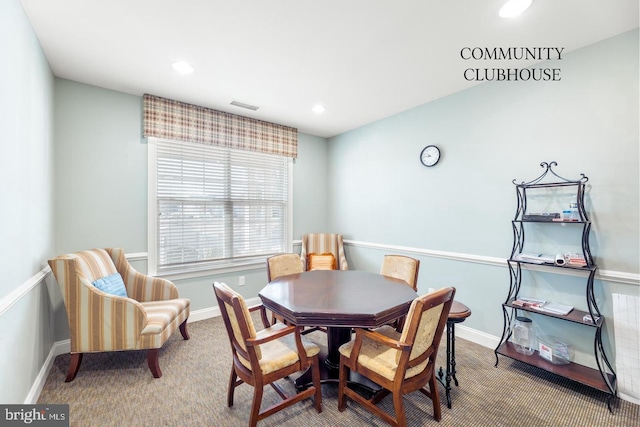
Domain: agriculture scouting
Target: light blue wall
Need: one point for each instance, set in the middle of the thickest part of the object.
(26, 198)
(489, 135)
(26, 85)
(100, 171)
(310, 186)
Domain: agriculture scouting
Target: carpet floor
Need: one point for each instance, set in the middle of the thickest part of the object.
(117, 389)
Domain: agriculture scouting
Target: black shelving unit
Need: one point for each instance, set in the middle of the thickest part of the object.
(603, 378)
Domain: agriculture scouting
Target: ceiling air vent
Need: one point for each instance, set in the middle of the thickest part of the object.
(243, 105)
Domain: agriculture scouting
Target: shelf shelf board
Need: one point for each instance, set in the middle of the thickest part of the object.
(574, 315)
(550, 184)
(565, 267)
(542, 221)
(579, 373)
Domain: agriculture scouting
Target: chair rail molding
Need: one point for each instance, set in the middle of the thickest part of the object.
(608, 275)
(14, 296)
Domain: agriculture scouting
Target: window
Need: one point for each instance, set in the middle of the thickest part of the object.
(213, 207)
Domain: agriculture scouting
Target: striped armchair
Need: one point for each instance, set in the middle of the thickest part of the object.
(144, 319)
(323, 243)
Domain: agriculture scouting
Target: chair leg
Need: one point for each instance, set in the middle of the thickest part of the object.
(152, 362)
(401, 418)
(315, 373)
(232, 386)
(435, 397)
(74, 365)
(255, 405)
(342, 383)
(183, 330)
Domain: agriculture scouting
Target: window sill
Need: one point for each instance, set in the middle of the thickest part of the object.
(212, 271)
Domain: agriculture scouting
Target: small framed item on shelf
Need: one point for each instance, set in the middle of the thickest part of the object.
(575, 259)
(587, 318)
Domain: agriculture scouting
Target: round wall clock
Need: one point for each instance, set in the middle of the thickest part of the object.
(430, 155)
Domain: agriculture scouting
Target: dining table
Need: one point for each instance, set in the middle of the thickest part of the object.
(339, 300)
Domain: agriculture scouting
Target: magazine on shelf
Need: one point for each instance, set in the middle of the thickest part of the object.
(556, 308)
(542, 305)
(535, 258)
(528, 302)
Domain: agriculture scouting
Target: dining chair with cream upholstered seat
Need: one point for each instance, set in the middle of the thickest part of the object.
(404, 268)
(401, 267)
(400, 362)
(283, 265)
(264, 357)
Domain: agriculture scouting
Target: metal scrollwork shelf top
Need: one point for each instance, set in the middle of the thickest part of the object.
(548, 169)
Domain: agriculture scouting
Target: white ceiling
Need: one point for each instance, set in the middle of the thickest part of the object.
(362, 59)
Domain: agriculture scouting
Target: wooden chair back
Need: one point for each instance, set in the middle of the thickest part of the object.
(283, 265)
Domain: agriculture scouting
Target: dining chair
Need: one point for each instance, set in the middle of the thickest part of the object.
(399, 362)
(323, 251)
(401, 267)
(404, 268)
(283, 265)
(266, 356)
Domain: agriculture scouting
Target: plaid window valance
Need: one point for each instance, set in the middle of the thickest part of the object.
(166, 118)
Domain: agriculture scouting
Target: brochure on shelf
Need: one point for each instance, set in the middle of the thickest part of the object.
(549, 307)
(556, 308)
(535, 258)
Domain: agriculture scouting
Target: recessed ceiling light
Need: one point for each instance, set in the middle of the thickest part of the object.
(318, 109)
(243, 105)
(513, 8)
(182, 67)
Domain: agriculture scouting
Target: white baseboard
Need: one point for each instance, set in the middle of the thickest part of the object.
(628, 398)
(58, 348)
(477, 337)
(206, 313)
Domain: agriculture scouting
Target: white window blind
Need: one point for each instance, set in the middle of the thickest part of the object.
(212, 207)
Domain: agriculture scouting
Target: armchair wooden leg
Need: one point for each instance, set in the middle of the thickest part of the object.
(183, 330)
(74, 365)
(152, 361)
